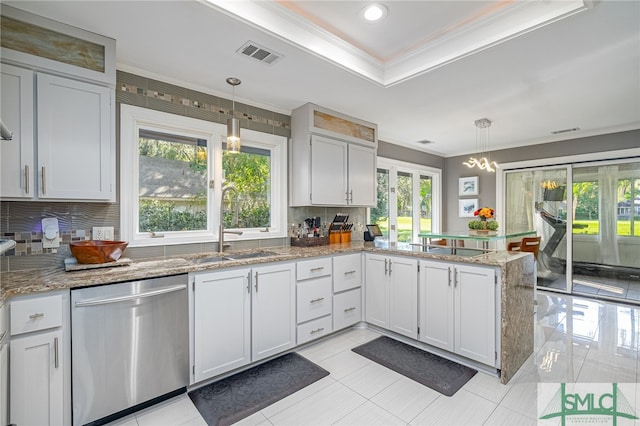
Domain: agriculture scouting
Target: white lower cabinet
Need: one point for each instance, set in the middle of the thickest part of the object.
(314, 329)
(37, 377)
(347, 293)
(314, 299)
(347, 308)
(273, 307)
(4, 383)
(240, 316)
(222, 311)
(4, 366)
(39, 367)
(391, 293)
(458, 309)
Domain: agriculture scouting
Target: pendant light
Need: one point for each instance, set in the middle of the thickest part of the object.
(482, 144)
(233, 124)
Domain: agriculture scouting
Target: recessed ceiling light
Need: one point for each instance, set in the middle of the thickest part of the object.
(375, 12)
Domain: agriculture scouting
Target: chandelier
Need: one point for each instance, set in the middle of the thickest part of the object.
(482, 145)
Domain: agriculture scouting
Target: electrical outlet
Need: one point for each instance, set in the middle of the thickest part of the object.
(50, 233)
(102, 233)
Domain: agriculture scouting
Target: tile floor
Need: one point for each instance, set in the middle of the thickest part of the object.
(599, 287)
(576, 340)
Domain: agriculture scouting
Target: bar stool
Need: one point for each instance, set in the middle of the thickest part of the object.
(529, 244)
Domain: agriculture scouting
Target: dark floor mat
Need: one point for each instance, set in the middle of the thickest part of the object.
(431, 370)
(232, 399)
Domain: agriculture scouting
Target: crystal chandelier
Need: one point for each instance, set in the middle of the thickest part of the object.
(482, 145)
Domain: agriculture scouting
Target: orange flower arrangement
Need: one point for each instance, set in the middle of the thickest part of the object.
(484, 213)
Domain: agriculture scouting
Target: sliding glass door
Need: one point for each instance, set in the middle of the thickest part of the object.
(536, 199)
(597, 205)
(606, 230)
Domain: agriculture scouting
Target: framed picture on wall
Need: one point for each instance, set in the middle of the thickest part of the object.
(468, 186)
(467, 206)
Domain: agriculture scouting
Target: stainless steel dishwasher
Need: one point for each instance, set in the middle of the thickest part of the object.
(129, 345)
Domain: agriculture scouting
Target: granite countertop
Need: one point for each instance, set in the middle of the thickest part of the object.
(42, 280)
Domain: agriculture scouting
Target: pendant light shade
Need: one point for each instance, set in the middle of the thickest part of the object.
(233, 124)
(482, 145)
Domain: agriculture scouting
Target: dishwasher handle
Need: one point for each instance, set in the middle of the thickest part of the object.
(131, 297)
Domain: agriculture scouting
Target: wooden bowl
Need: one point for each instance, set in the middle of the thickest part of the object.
(97, 251)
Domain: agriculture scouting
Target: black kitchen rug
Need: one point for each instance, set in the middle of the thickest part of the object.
(433, 371)
(233, 398)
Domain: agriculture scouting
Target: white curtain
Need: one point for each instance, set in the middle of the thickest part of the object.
(608, 237)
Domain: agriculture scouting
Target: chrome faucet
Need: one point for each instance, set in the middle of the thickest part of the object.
(228, 187)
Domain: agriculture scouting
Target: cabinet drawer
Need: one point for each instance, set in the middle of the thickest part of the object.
(313, 299)
(347, 272)
(347, 309)
(313, 268)
(314, 329)
(36, 314)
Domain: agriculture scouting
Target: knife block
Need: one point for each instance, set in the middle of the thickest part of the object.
(345, 237)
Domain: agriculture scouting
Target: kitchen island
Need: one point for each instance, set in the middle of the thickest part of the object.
(515, 281)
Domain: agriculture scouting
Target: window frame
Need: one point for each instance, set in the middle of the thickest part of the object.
(132, 118)
(416, 170)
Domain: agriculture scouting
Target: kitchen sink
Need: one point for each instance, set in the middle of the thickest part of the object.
(210, 259)
(233, 256)
(238, 256)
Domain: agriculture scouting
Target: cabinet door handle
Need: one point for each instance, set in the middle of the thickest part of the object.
(256, 284)
(317, 330)
(353, 308)
(351, 196)
(385, 267)
(449, 268)
(55, 353)
(26, 178)
(319, 299)
(350, 272)
(319, 268)
(36, 315)
(346, 196)
(249, 282)
(456, 278)
(389, 266)
(44, 181)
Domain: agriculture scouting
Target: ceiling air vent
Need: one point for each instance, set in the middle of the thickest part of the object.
(259, 53)
(425, 141)
(558, 132)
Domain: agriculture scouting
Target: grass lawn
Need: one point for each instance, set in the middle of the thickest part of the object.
(592, 227)
(404, 227)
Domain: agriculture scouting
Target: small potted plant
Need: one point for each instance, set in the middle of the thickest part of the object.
(482, 225)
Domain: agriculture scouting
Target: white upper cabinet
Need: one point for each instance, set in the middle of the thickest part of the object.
(61, 110)
(333, 159)
(17, 155)
(74, 128)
